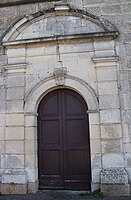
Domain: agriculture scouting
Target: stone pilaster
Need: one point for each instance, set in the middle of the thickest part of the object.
(14, 178)
(110, 127)
(2, 118)
(31, 161)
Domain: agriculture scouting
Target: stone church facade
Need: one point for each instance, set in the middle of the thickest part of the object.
(65, 96)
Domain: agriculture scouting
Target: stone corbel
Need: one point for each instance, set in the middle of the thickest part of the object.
(59, 75)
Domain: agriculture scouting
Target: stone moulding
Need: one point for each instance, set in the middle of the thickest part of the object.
(63, 37)
(34, 96)
(105, 59)
(15, 68)
(20, 2)
(103, 27)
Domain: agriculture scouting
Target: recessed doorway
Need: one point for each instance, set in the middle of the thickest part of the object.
(63, 141)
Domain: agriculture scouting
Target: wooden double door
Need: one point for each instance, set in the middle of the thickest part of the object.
(63, 141)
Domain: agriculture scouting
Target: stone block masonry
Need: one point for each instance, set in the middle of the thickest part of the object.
(92, 38)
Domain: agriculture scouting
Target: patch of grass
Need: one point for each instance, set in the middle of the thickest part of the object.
(98, 194)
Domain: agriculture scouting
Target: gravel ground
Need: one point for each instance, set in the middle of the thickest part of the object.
(58, 195)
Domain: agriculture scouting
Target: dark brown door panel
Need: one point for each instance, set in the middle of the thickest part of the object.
(63, 140)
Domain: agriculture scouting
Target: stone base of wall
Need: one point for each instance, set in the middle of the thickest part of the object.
(12, 188)
(115, 190)
(32, 187)
(114, 182)
(95, 186)
(14, 181)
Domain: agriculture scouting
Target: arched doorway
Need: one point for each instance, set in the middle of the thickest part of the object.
(63, 141)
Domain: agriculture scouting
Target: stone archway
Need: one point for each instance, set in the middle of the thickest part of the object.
(32, 102)
(87, 48)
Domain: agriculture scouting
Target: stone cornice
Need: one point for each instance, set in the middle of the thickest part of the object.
(21, 2)
(108, 61)
(63, 37)
(15, 68)
(105, 59)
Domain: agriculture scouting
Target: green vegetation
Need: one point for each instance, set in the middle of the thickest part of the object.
(98, 194)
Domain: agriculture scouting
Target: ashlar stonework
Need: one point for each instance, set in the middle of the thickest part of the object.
(83, 46)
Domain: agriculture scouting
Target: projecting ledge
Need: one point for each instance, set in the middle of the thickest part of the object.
(105, 59)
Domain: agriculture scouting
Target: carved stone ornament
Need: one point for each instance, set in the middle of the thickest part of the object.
(59, 74)
(59, 22)
(57, 28)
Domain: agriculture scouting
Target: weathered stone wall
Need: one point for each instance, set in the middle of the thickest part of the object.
(112, 137)
(117, 12)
